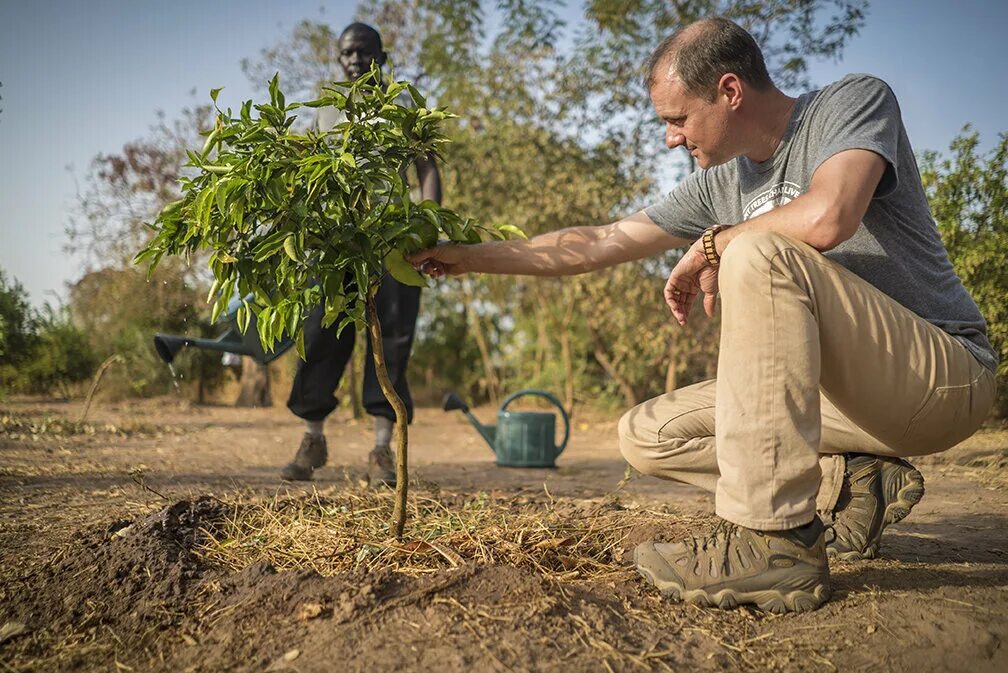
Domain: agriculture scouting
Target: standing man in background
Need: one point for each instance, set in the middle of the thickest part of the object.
(326, 354)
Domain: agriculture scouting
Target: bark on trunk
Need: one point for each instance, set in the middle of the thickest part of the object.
(568, 361)
(400, 434)
(602, 357)
(493, 384)
(352, 376)
(542, 337)
(255, 385)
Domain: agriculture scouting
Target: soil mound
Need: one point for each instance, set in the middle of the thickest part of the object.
(133, 578)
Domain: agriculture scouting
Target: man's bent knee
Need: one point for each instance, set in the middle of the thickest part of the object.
(753, 255)
(751, 247)
(633, 446)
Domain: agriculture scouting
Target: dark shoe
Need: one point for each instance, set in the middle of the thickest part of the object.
(311, 454)
(778, 571)
(876, 492)
(381, 467)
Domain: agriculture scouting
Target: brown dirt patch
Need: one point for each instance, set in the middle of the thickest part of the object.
(525, 570)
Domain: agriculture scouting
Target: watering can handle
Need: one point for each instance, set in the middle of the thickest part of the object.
(543, 393)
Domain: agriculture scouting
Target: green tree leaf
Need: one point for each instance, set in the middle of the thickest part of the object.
(402, 270)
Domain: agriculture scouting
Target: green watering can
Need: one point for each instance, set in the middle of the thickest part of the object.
(520, 438)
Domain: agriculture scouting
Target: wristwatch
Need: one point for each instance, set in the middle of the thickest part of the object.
(709, 249)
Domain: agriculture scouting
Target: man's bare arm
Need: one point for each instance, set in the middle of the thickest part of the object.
(830, 211)
(559, 253)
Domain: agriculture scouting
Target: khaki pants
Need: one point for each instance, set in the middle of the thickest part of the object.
(814, 362)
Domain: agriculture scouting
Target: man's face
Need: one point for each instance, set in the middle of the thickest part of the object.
(701, 126)
(358, 51)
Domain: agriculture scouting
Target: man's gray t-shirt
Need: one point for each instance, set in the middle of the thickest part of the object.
(896, 248)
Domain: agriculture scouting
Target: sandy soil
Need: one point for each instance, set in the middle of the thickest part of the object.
(78, 593)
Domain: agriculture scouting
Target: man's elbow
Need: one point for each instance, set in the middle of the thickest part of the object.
(830, 227)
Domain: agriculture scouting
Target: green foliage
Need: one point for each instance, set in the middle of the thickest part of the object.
(443, 346)
(300, 219)
(17, 323)
(120, 310)
(39, 351)
(61, 355)
(968, 194)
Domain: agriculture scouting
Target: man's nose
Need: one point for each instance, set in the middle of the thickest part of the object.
(674, 139)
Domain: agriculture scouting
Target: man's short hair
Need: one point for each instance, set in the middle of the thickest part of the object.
(364, 29)
(700, 53)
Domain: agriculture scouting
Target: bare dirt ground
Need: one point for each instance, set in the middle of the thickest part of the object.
(105, 562)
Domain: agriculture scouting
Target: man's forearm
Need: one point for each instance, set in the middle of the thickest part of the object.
(804, 219)
(557, 253)
(574, 250)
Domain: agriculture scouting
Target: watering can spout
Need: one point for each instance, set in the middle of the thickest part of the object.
(168, 345)
(231, 341)
(452, 402)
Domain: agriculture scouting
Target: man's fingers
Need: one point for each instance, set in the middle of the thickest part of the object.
(709, 304)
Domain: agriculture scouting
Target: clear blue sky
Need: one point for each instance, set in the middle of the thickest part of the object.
(82, 78)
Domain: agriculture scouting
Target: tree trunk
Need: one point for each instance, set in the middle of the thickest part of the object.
(255, 385)
(400, 433)
(493, 384)
(568, 361)
(355, 399)
(542, 336)
(201, 383)
(602, 357)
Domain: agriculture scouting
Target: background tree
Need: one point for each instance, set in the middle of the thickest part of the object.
(968, 193)
(554, 130)
(61, 356)
(40, 351)
(118, 307)
(17, 330)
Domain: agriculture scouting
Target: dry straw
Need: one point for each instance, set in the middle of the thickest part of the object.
(345, 528)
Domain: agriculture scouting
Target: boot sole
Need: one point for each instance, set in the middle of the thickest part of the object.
(910, 490)
(768, 600)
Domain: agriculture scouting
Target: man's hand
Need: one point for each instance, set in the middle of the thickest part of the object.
(692, 274)
(445, 259)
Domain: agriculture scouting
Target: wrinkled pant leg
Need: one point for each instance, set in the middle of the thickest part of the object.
(318, 375)
(798, 328)
(397, 306)
(672, 437)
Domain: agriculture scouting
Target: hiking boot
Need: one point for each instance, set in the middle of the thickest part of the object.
(778, 571)
(876, 492)
(311, 454)
(381, 468)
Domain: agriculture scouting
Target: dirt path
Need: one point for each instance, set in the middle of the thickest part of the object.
(93, 595)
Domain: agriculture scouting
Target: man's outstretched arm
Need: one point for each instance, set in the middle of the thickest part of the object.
(558, 253)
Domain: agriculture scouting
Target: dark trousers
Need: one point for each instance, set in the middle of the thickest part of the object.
(326, 356)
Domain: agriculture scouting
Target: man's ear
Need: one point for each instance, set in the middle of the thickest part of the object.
(730, 86)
